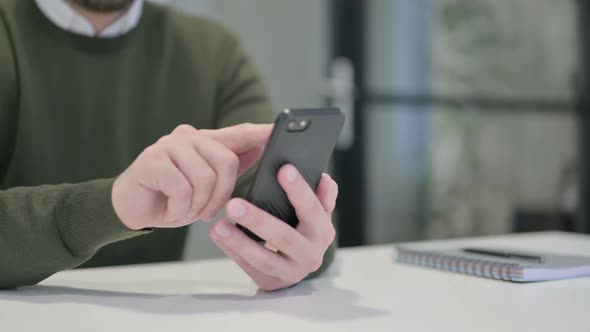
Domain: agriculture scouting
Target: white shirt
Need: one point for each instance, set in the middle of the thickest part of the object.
(65, 17)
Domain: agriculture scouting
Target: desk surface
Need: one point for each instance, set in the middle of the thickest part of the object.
(364, 291)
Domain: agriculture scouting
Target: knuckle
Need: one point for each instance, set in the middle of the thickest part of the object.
(268, 267)
(217, 202)
(230, 160)
(315, 262)
(312, 203)
(330, 235)
(296, 276)
(246, 126)
(291, 280)
(254, 221)
(206, 178)
(184, 191)
(184, 129)
(227, 248)
(167, 140)
(153, 153)
(285, 240)
(270, 286)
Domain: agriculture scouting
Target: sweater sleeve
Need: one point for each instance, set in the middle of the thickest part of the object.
(242, 97)
(46, 229)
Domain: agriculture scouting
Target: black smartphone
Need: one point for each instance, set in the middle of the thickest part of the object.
(304, 138)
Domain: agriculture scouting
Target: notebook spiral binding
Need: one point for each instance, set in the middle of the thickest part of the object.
(465, 265)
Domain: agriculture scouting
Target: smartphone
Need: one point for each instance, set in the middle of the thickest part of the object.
(304, 138)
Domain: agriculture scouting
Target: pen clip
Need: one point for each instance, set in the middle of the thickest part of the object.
(504, 254)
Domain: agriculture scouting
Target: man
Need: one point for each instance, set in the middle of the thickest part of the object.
(101, 161)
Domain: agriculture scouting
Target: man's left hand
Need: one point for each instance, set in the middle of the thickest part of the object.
(300, 250)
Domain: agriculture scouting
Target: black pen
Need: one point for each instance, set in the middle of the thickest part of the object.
(504, 254)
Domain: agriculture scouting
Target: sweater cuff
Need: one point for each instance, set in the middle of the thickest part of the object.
(87, 220)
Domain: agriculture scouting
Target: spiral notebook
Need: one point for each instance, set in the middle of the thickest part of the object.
(499, 263)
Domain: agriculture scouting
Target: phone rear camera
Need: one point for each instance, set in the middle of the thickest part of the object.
(299, 125)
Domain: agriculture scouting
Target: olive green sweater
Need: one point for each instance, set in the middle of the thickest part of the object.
(76, 111)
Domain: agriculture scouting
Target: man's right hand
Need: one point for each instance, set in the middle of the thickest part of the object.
(187, 175)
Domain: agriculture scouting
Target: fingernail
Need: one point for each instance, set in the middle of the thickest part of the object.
(291, 174)
(222, 230)
(236, 209)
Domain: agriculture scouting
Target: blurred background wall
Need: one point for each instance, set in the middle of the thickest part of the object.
(466, 106)
(489, 164)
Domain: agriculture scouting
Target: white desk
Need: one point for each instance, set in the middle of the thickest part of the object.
(364, 291)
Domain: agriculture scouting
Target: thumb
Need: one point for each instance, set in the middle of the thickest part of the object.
(241, 138)
(248, 159)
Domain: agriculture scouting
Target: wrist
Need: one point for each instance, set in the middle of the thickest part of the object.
(118, 202)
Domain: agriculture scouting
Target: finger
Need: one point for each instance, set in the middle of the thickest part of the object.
(327, 193)
(247, 156)
(168, 179)
(248, 159)
(308, 207)
(200, 175)
(243, 137)
(263, 281)
(225, 165)
(230, 238)
(221, 160)
(274, 231)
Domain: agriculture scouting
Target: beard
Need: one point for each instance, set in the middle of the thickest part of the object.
(103, 6)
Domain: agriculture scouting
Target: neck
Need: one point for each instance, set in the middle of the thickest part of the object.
(99, 21)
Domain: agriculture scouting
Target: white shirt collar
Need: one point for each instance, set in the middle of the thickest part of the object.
(65, 17)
